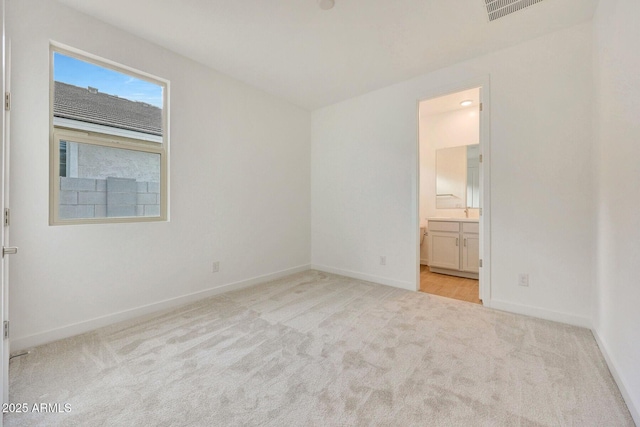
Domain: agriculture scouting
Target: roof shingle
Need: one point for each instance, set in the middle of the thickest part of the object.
(91, 106)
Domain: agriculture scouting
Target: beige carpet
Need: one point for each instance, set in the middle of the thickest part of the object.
(316, 349)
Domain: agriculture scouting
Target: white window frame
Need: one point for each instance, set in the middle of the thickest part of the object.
(65, 130)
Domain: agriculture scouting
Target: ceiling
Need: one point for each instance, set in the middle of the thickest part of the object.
(313, 57)
(451, 102)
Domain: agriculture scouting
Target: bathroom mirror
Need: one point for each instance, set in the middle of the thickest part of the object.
(458, 177)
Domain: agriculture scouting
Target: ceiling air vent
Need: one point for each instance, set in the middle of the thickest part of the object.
(500, 8)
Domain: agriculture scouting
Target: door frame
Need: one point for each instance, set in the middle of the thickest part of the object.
(484, 83)
(4, 192)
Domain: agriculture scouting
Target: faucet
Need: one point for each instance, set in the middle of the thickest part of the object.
(466, 211)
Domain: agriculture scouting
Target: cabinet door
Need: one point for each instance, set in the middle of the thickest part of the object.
(444, 250)
(470, 252)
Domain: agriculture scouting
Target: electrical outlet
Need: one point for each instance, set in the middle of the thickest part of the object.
(216, 266)
(523, 279)
(383, 260)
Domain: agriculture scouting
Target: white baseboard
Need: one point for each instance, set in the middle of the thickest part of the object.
(22, 343)
(540, 313)
(368, 277)
(424, 261)
(604, 349)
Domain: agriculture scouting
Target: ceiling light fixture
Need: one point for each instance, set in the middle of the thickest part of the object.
(466, 103)
(326, 4)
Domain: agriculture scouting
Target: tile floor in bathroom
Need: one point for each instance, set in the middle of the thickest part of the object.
(449, 286)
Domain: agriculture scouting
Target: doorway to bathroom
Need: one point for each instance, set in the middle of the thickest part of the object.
(451, 195)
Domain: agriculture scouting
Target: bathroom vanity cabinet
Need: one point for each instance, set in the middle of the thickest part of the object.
(454, 247)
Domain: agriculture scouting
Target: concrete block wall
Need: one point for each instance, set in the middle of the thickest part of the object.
(105, 198)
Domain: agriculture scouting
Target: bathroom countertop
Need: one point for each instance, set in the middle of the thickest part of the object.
(454, 219)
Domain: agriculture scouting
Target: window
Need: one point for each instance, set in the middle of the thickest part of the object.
(109, 143)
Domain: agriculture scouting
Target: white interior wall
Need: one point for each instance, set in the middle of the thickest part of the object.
(617, 151)
(239, 180)
(364, 176)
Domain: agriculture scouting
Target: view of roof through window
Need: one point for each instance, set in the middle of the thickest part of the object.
(90, 93)
(108, 143)
(84, 74)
